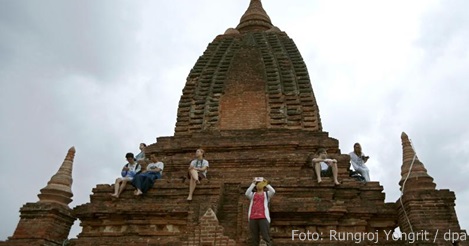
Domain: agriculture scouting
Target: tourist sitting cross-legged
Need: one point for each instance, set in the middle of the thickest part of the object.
(259, 193)
(197, 171)
(323, 166)
(128, 172)
(144, 181)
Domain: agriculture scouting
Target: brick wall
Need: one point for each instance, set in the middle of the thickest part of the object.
(248, 81)
(209, 232)
(429, 211)
(42, 224)
(244, 105)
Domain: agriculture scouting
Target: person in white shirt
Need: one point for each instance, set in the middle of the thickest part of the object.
(128, 172)
(145, 180)
(358, 160)
(197, 171)
(323, 165)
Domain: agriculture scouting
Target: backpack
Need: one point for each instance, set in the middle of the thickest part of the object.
(356, 175)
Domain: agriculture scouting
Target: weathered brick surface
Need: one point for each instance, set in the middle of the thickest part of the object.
(235, 157)
(48, 221)
(422, 207)
(255, 80)
(244, 103)
(42, 224)
(209, 232)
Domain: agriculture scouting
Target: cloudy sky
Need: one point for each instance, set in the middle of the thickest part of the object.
(104, 76)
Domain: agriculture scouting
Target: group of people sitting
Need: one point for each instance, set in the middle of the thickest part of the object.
(132, 172)
(144, 180)
(259, 192)
(324, 166)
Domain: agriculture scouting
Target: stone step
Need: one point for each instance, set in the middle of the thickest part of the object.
(176, 192)
(161, 191)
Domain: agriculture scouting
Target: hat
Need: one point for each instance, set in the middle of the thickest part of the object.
(262, 184)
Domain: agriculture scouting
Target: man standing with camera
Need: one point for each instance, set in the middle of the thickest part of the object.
(358, 160)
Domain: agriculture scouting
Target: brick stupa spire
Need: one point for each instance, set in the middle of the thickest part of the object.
(255, 18)
(48, 221)
(252, 77)
(59, 188)
(422, 207)
(418, 178)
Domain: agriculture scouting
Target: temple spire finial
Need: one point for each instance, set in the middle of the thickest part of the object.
(255, 18)
(59, 188)
(418, 177)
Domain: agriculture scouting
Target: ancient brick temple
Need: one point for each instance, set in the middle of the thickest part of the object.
(249, 102)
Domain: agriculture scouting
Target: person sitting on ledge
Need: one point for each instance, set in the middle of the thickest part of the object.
(140, 157)
(197, 171)
(258, 214)
(128, 172)
(145, 180)
(322, 166)
(358, 160)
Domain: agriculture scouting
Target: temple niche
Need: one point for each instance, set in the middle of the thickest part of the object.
(249, 102)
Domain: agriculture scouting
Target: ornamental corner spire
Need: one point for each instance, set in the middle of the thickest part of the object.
(59, 188)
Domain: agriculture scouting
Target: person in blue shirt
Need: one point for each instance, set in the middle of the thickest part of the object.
(128, 172)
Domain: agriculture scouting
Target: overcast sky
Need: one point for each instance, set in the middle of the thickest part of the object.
(104, 76)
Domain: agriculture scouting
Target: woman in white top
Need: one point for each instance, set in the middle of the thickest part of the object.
(197, 171)
(358, 160)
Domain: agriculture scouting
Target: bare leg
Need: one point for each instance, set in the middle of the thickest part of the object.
(192, 185)
(116, 187)
(195, 175)
(317, 168)
(335, 172)
(193, 182)
(122, 186)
